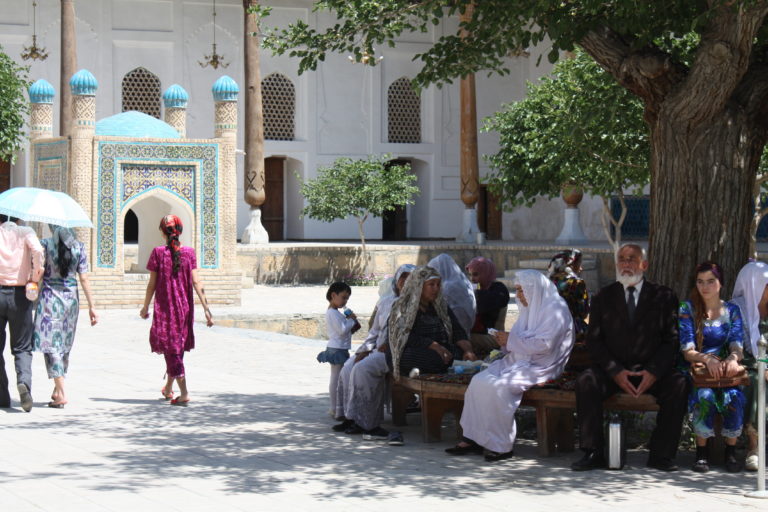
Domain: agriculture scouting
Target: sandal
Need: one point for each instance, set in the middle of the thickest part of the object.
(56, 405)
(169, 396)
(180, 402)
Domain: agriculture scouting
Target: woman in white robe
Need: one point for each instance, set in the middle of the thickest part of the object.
(750, 293)
(537, 349)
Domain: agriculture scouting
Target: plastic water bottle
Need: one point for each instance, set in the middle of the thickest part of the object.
(616, 446)
(347, 312)
(31, 291)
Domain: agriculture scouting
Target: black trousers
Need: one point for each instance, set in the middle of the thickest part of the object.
(671, 392)
(16, 312)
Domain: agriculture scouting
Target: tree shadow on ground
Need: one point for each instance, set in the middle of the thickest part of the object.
(259, 443)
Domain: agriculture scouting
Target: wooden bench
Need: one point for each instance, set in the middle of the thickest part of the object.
(554, 409)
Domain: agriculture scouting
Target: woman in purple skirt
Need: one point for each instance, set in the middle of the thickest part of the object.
(172, 276)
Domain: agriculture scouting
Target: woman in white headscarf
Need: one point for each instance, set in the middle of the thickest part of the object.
(537, 349)
(377, 335)
(751, 295)
(457, 290)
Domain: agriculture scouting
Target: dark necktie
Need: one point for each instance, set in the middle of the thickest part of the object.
(631, 303)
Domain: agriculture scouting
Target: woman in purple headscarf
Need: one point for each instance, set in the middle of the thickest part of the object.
(491, 298)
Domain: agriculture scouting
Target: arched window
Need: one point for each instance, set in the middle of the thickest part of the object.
(279, 106)
(403, 113)
(141, 92)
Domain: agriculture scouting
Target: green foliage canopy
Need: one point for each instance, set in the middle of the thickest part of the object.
(577, 126)
(497, 29)
(13, 106)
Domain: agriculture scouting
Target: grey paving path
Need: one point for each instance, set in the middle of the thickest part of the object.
(256, 438)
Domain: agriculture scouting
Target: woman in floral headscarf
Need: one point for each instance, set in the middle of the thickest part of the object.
(172, 276)
(564, 269)
(59, 305)
(423, 331)
(536, 350)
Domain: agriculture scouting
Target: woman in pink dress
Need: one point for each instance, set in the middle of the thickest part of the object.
(172, 276)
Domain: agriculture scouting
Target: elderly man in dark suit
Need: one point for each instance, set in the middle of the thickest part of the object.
(632, 340)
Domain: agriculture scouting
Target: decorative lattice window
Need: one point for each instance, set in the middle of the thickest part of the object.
(141, 92)
(279, 107)
(403, 113)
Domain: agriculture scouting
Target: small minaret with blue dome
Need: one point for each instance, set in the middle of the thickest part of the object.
(80, 181)
(175, 99)
(41, 95)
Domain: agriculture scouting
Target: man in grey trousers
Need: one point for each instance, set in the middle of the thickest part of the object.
(21, 261)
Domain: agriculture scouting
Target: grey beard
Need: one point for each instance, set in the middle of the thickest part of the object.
(629, 280)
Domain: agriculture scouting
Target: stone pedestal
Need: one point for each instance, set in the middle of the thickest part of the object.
(254, 232)
(469, 228)
(572, 233)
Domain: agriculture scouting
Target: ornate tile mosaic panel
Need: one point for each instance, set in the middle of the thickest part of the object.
(139, 178)
(51, 165)
(185, 170)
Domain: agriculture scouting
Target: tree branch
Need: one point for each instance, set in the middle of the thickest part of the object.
(721, 62)
(752, 94)
(648, 72)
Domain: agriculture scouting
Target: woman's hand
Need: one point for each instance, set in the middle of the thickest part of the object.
(730, 367)
(713, 365)
(93, 315)
(444, 354)
(470, 356)
(362, 355)
(208, 318)
(144, 313)
(501, 338)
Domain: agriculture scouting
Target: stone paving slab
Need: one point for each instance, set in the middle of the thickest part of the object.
(256, 437)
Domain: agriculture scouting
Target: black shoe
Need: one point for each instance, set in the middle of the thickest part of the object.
(592, 459)
(701, 466)
(354, 429)
(471, 449)
(343, 426)
(663, 464)
(491, 456)
(376, 434)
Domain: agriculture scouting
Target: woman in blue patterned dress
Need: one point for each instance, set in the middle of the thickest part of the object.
(59, 305)
(711, 334)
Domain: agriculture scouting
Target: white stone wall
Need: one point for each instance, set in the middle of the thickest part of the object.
(340, 110)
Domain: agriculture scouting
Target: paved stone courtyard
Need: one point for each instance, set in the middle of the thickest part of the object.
(256, 437)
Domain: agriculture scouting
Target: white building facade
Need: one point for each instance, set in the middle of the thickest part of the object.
(342, 109)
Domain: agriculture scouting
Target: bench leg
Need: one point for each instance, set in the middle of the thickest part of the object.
(432, 412)
(564, 430)
(544, 430)
(400, 400)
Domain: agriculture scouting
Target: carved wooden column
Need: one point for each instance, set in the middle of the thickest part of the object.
(468, 163)
(253, 187)
(68, 65)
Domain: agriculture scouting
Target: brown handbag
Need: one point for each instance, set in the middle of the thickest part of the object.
(703, 379)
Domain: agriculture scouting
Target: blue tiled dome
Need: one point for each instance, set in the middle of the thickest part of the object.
(225, 89)
(41, 92)
(83, 83)
(175, 96)
(137, 125)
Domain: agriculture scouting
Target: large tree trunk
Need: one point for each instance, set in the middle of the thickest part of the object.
(702, 180)
(708, 129)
